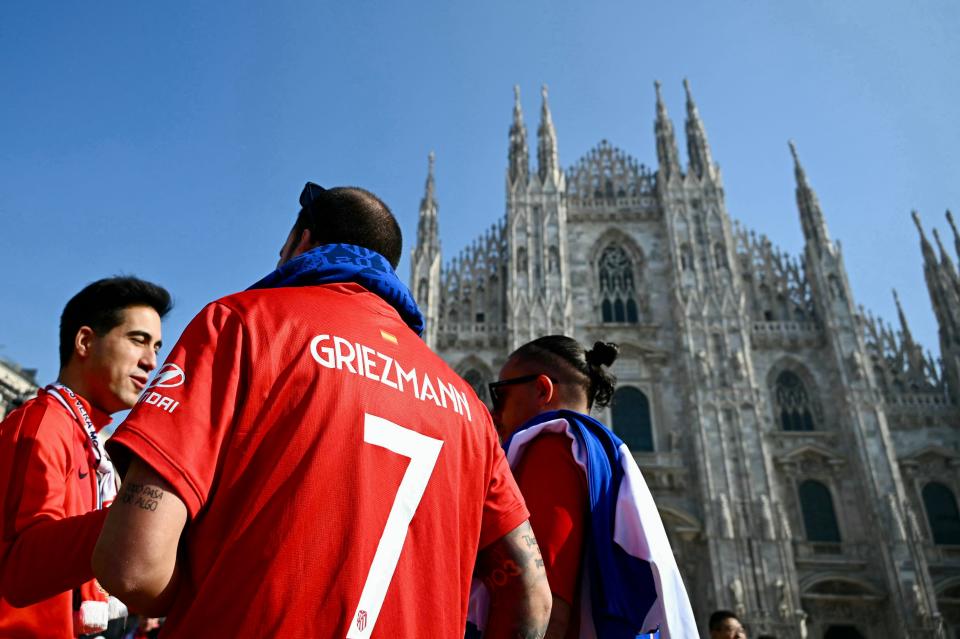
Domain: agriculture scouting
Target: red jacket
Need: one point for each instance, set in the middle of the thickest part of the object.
(49, 522)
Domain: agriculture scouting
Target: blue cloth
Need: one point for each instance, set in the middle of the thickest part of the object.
(331, 263)
(623, 588)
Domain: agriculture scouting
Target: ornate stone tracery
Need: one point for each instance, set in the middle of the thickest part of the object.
(765, 375)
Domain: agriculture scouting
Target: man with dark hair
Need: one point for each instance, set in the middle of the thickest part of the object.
(725, 625)
(605, 551)
(56, 479)
(338, 478)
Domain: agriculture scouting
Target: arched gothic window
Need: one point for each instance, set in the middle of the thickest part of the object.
(793, 404)
(521, 261)
(686, 257)
(819, 518)
(631, 418)
(720, 255)
(423, 293)
(617, 291)
(553, 261)
(478, 383)
(941, 507)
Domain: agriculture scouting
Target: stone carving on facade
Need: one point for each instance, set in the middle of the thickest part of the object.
(899, 528)
(736, 590)
(703, 367)
(783, 598)
(802, 623)
(724, 306)
(738, 365)
(855, 365)
(766, 518)
(726, 518)
(785, 527)
(919, 602)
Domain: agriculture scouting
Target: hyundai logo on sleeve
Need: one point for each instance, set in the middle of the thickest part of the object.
(169, 376)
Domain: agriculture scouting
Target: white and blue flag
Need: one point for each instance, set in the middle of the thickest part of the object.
(629, 570)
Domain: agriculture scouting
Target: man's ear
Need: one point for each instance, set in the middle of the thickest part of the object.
(546, 390)
(83, 342)
(305, 243)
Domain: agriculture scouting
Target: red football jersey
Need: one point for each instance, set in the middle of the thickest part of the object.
(49, 520)
(555, 490)
(340, 478)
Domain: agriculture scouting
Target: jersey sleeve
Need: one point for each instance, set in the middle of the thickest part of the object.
(555, 490)
(180, 423)
(44, 552)
(503, 507)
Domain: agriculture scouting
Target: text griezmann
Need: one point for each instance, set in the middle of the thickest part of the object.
(336, 352)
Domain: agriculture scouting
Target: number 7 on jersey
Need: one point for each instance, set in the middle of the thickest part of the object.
(423, 452)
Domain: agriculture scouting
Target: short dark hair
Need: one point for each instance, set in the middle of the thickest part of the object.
(351, 215)
(559, 351)
(718, 617)
(100, 306)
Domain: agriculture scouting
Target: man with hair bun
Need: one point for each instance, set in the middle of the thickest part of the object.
(607, 557)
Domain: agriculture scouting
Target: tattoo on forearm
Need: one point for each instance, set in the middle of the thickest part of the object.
(143, 497)
(506, 562)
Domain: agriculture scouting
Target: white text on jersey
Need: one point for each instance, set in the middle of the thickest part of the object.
(360, 359)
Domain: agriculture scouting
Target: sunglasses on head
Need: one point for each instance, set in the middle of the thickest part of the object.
(310, 193)
(494, 387)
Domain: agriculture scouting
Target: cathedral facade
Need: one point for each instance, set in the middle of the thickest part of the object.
(802, 452)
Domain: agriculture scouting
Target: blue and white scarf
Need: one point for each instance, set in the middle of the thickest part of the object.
(629, 568)
(331, 263)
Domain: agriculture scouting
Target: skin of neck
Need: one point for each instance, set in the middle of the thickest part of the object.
(73, 377)
(568, 398)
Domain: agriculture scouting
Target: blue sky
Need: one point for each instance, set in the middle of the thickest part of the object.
(171, 140)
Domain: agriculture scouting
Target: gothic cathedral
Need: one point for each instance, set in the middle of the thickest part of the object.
(803, 453)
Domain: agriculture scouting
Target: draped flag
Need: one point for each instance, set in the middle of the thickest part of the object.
(629, 571)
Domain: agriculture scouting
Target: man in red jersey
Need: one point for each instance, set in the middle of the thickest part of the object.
(338, 478)
(56, 478)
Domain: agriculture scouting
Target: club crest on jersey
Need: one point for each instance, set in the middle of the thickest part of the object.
(361, 620)
(169, 376)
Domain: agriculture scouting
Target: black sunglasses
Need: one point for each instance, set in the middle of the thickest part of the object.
(494, 387)
(310, 193)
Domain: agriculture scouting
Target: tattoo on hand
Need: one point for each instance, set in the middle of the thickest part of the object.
(143, 497)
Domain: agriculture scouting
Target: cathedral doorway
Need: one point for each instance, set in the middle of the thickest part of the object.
(842, 632)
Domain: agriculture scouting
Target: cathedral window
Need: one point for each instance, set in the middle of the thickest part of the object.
(842, 632)
(479, 385)
(686, 257)
(423, 292)
(942, 514)
(553, 260)
(631, 418)
(819, 517)
(617, 286)
(793, 403)
(720, 255)
(521, 261)
(699, 230)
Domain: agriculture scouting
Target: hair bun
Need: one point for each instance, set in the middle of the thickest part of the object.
(603, 354)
